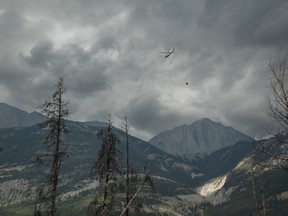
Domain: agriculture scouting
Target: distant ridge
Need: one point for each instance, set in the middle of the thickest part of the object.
(13, 117)
(200, 138)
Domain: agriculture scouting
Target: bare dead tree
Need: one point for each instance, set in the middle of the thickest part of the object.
(125, 124)
(56, 111)
(106, 169)
(146, 180)
(277, 100)
(134, 182)
(253, 181)
(277, 105)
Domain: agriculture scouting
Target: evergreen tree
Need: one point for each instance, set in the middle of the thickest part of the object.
(106, 169)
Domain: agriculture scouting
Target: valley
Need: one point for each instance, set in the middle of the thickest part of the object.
(217, 180)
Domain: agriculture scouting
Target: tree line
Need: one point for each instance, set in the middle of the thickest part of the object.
(106, 169)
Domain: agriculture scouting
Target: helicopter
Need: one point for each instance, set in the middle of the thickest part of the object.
(168, 53)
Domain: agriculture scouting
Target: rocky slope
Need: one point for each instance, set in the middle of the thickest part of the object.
(200, 138)
(13, 117)
(222, 180)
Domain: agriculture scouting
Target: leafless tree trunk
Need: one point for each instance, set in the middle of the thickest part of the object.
(277, 100)
(56, 111)
(127, 165)
(134, 184)
(147, 179)
(257, 174)
(254, 193)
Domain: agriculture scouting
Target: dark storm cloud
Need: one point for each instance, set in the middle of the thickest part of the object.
(262, 23)
(83, 12)
(19, 83)
(41, 55)
(106, 43)
(167, 23)
(16, 31)
(247, 23)
(10, 22)
(83, 74)
(107, 52)
(146, 113)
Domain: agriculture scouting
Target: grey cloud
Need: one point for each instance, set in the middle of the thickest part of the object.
(250, 120)
(10, 22)
(170, 23)
(41, 55)
(246, 23)
(221, 48)
(88, 81)
(106, 43)
(146, 113)
(16, 31)
(143, 111)
(262, 23)
(83, 74)
(76, 12)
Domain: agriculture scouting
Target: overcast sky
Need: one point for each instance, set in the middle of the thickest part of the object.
(107, 51)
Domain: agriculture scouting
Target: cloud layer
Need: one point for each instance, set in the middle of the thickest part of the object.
(107, 51)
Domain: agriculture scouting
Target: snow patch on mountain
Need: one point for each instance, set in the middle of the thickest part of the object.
(244, 165)
(222, 195)
(211, 187)
(281, 196)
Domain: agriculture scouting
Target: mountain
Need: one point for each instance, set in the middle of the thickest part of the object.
(13, 117)
(200, 138)
(20, 176)
(218, 184)
(223, 160)
(257, 185)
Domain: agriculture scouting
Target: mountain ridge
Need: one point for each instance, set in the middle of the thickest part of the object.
(202, 137)
(14, 117)
(223, 176)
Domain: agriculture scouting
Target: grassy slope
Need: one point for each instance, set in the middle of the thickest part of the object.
(66, 208)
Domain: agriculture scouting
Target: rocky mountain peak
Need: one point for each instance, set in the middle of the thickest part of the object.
(200, 138)
(13, 117)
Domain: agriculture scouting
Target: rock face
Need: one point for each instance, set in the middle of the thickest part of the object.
(13, 117)
(200, 138)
